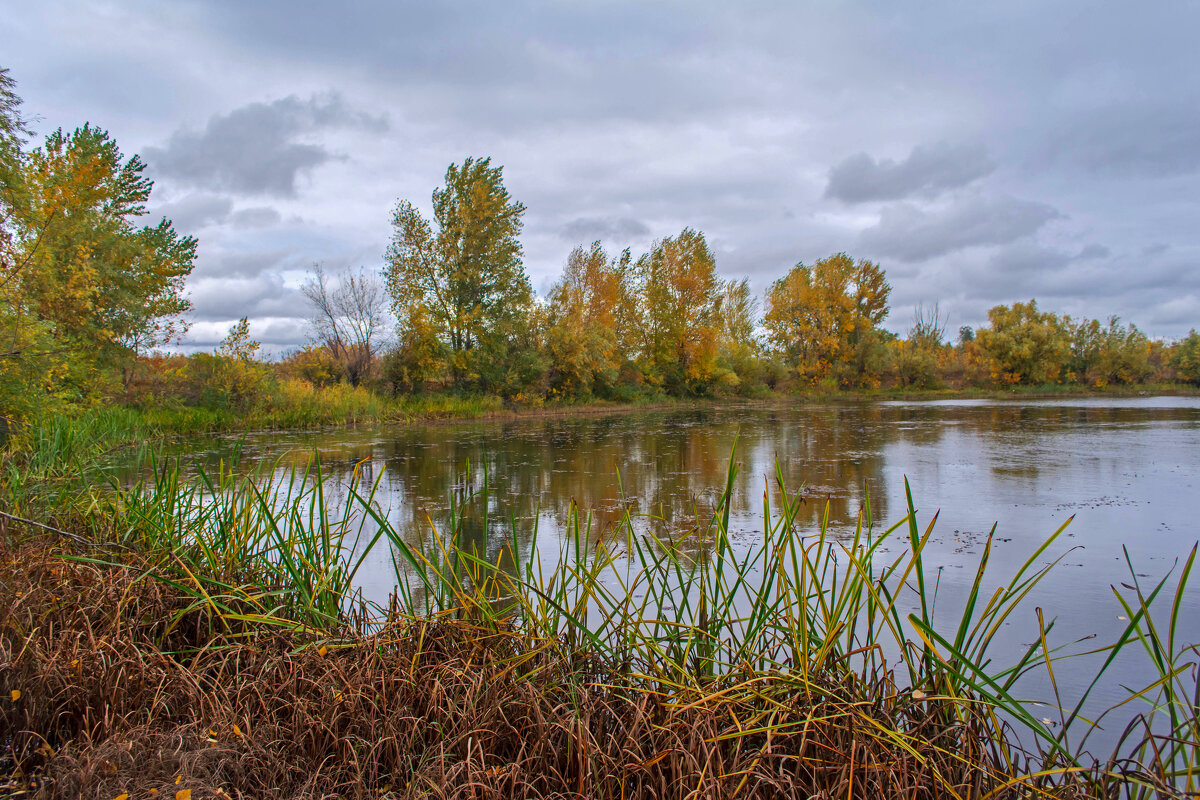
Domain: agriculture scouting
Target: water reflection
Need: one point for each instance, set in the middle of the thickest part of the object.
(977, 461)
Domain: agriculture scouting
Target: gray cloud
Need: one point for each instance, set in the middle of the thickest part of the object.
(255, 217)
(928, 170)
(194, 212)
(243, 263)
(1155, 139)
(909, 233)
(634, 120)
(1093, 250)
(236, 297)
(619, 229)
(277, 335)
(257, 149)
(200, 210)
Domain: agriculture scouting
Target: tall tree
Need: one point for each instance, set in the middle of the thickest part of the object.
(679, 290)
(824, 319)
(466, 276)
(20, 339)
(13, 134)
(98, 285)
(737, 317)
(349, 318)
(592, 317)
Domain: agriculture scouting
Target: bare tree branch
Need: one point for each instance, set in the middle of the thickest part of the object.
(350, 318)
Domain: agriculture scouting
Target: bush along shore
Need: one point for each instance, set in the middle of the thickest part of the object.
(202, 637)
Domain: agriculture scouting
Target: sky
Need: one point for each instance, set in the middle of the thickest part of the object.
(981, 153)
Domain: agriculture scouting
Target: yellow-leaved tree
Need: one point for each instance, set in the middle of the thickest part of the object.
(1025, 345)
(824, 320)
(591, 325)
(463, 275)
(84, 287)
(679, 294)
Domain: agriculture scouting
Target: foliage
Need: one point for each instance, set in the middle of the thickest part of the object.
(1103, 355)
(592, 323)
(419, 358)
(84, 288)
(313, 364)
(1025, 345)
(232, 376)
(917, 360)
(680, 293)
(466, 278)
(1185, 358)
(88, 292)
(14, 132)
(915, 365)
(738, 348)
(824, 319)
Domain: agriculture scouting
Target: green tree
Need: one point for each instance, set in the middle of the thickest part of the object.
(466, 274)
(679, 292)
(105, 286)
(14, 132)
(1185, 358)
(824, 319)
(1025, 345)
(1106, 354)
(24, 342)
(84, 289)
(419, 357)
(232, 376)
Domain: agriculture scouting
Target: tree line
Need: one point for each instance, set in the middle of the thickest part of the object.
(89, 292)
(617, 327)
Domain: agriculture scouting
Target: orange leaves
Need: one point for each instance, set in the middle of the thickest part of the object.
(15, 694)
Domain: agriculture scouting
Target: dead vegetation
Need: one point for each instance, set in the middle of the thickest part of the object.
(115, 682)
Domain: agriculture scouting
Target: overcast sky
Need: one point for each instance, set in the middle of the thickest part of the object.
(981, 153)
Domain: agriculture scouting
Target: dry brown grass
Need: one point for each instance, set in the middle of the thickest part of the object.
(124, 687)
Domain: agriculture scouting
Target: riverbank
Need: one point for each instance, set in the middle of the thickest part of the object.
(304, 407)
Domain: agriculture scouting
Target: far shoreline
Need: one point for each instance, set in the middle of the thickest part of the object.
(149, 424)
